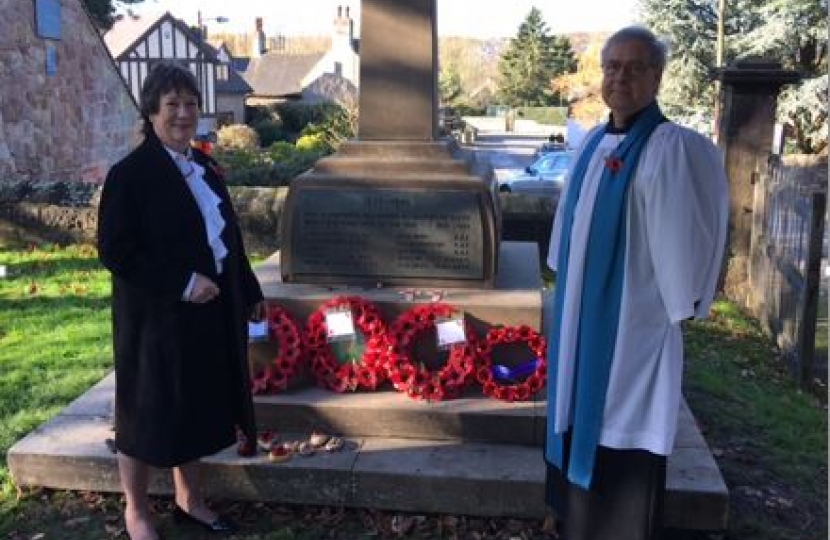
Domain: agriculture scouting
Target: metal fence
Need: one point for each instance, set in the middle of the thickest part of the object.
(788, 246)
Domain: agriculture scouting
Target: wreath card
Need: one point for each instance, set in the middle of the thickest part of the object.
(257, 331)
(339, 325)
(450, 331)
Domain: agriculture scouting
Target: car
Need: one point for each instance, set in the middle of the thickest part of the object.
(449, 120)
(550, 147)
(545, 176)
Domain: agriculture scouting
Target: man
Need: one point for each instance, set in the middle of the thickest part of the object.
(637, 245)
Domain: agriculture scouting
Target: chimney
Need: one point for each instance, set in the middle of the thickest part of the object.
(343, 33)
(258, 47)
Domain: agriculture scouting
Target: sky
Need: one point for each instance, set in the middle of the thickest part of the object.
(473, 18)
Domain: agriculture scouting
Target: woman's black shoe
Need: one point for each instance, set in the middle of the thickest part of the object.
(218, 525)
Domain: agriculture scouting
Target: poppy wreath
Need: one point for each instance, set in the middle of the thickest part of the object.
(339, 376)
(411, 376)
(283, 328)
(530, 376)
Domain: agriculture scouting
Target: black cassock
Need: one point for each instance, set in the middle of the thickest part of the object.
(181, 368)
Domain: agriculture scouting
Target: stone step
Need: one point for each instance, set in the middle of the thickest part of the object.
(413, 474)
(390, 414)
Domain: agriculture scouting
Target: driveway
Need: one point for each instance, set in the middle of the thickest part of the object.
(508, 153)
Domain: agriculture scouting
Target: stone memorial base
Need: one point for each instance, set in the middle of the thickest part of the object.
(468, 456)
(516, 298)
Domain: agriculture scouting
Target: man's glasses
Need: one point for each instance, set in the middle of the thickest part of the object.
(612, 67)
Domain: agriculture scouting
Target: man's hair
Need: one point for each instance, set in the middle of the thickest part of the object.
(165, 76)
(658, 49)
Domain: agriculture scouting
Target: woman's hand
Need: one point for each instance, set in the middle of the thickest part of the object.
(204, 290)
(258, 312)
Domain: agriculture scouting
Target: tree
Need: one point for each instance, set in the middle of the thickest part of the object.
(795, 32)
(449, 84)
(102, 12)
(790, 31)
(564, 60)
(532, 59)
(581, 88)
(690, 27)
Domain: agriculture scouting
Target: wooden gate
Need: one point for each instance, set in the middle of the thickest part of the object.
(787, 249)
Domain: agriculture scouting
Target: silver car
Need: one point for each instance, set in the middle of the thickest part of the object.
(545, 176)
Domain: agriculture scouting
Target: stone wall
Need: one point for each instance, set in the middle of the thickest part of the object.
(68, 126)
(43, 217)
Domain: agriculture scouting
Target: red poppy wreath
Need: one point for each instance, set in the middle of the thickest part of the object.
(410, 375)
(283, 328)
(351, 373)
(518, 383)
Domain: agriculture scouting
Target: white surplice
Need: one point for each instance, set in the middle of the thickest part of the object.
(677, 210)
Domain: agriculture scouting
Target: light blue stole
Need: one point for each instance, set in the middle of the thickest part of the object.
(601, 296)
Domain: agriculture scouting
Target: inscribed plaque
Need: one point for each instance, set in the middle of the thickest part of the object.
(387, 233)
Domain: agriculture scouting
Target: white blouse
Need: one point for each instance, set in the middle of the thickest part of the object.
(208, 203)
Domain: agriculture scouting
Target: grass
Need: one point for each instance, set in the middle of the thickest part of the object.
(769, 439)
(54, 338)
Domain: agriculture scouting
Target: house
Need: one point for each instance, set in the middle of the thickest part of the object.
(135, 43)
(231, 88)
(278, 75)
(65, 113)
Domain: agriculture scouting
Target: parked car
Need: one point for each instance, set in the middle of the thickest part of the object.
(545, 176)
(548, 147)
(449, 120)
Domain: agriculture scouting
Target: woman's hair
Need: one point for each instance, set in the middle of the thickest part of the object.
(658, 49)
(165, 76)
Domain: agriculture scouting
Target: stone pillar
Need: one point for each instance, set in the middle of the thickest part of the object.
(397, 206)
(749, 94)
(398, 70)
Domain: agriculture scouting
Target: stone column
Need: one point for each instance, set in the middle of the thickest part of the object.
(749, 94)
(397, 206)
(398, 74)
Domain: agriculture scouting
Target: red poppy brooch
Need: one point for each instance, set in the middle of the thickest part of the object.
(613, 164)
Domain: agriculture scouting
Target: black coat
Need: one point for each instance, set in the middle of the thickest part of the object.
(181, 368)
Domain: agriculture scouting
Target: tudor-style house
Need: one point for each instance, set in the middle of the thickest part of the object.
(135, 43)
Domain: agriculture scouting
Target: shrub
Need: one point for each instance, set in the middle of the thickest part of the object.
(312, 141)
(339, 124)
(254, 114)
(269, 132)
(237, 136)
(276, 165)
(296, 116)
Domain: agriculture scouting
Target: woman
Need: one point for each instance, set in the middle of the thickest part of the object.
(182, 290)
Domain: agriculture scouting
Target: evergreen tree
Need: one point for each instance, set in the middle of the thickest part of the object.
(531, 61)
(793, 32)
(102, 12)
(564, 59)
